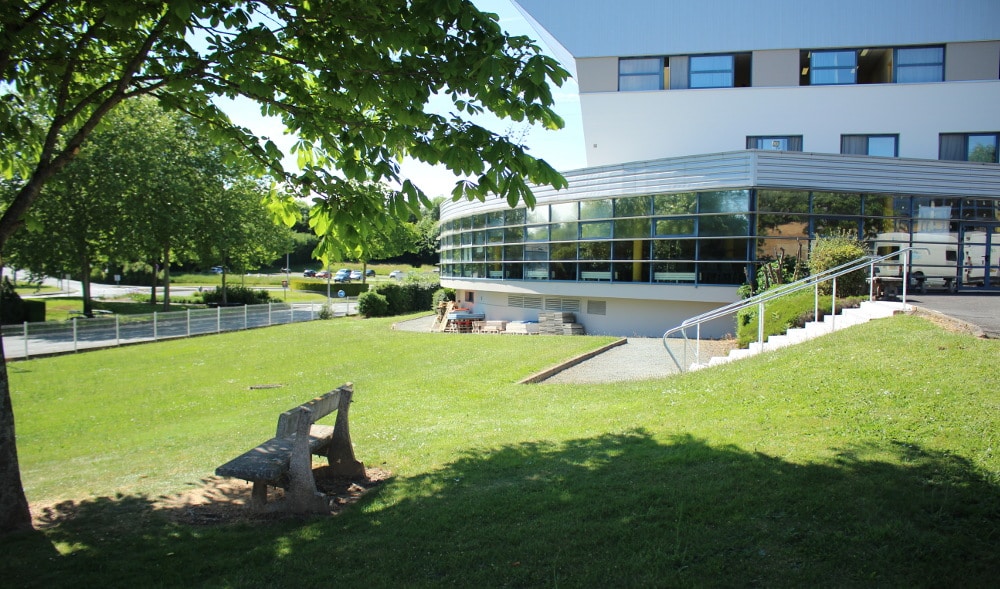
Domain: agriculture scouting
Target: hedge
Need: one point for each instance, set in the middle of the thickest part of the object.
(351, 289)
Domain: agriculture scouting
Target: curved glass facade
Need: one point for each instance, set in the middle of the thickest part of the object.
(709, 237)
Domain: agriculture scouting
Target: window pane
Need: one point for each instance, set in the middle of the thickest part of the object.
(539, 214)
(711, 71)
(832, 76)
(513, 253)
(675, 204)
(882, 146)
(983, 148)
(514, 216)
(920, 56)
(637, 249)
(675, 226)
(632, 228)
(720, 225)
(595, 250)
(638, 83)
(513, 234)
(564, 212)
(536, 252)
(595, 209)
(538, 233)
(838, 203)
(711, 63)
(563, 251)
(914, 74)
(599, 230)
(635, 206)
(643, 65)
(782, 201)
(726, 201)
(564, 232)
(714, 80)
(673, 249)
(834, 59)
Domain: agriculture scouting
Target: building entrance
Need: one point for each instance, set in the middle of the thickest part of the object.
(979, 255)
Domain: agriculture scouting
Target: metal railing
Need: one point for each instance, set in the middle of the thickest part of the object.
(761, 299)
(102, 331)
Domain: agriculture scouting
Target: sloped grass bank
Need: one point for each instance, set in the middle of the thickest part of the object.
(867, 457)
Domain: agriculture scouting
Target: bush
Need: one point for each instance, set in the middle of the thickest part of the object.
(836, 250)
(236, 295)
(782, 314)
(441, 295)
(408, 297)
(14, 309)
(373, 304)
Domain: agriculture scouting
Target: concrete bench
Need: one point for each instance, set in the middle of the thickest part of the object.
(285, 460)
(674, 276)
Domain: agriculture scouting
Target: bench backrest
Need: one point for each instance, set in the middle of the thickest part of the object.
(317, 409)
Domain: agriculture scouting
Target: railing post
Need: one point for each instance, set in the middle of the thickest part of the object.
(760, 323)
(906, 275)
(816, 302)
(871, 282)
(833, 306)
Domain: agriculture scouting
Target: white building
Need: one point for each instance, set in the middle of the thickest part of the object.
(722, 132)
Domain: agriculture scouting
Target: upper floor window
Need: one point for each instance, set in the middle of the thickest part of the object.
(919, 64)
(640, 73)
(719, 71)
(833, 67)
(878, 145)
(969, 147)
(776, 142)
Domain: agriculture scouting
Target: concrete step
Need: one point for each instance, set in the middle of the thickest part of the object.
(845, 318)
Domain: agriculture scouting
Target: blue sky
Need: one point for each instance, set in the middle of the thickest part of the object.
(563, 149)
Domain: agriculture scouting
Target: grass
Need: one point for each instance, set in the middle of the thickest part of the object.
(789, 311)
(866, 457)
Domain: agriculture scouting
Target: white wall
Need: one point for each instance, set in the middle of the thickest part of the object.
(633, 126)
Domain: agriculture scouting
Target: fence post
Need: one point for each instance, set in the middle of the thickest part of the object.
(155, 333)
(74, 334)
(118, 333)
(269, 313)
(25, 340)
(906, 275)
(246, 309)
(218, 319)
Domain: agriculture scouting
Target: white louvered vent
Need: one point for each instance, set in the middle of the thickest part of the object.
(597, 307)
(567, 305)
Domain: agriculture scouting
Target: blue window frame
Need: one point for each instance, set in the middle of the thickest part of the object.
(919, 65)
(711, 71)
(833, 67)
(640, 73)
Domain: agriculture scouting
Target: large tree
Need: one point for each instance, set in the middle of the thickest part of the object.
(350, 79)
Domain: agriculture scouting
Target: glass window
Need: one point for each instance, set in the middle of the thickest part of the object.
(837, 203)
(494, 219)
(675, 226)
(595, 250)
(478, 221)
(685, 203)
(595, 230)
(633, 206)
(595, 209)
(919, 64)
(563, 232)
(640, 73)
(833, 67)
(724, 201)
(631, 250)
(513, 234)
(537, 251)
(877, 145)
(632, 228)
(721, 225)
(982, 148)
(514, 216)
(513, 253)
(538, 233)
(776, 143)
(673, 249)
(712, 71)
(494, 236)
(539, 214)
(563, 251)
(783, 201)
(566, 211)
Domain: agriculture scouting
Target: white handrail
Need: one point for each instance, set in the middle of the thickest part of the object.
(812, 281)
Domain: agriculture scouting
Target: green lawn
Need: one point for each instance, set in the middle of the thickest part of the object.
(864, 458)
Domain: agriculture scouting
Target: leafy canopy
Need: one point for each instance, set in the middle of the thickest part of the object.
(350, 79)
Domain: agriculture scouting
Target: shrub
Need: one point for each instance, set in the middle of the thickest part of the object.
(441, 295)
(14, 309)
(408, 297)
(326, 312)
(830, 252)
(236, 295)
(351, 289)
(373, 304)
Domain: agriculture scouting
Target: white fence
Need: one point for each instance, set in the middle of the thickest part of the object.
(79, 333)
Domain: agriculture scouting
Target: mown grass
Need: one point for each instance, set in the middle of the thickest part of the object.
(867, 457)
(786, 312)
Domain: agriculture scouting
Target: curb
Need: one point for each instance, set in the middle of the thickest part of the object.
(549, 372)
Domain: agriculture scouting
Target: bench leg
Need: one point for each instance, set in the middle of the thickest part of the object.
(302, 496)
(340, 453)
(258, 497)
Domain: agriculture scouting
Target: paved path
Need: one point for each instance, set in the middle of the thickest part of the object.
(644, 358)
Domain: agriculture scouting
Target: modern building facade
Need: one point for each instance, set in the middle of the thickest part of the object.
(723, 133)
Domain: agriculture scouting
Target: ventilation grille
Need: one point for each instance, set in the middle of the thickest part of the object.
(523, 302)
(568, 305)
(597, 307)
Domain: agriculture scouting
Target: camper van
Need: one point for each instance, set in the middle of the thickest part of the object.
(941, 262)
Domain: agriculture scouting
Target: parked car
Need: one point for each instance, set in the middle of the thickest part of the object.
(397, 274)
(216, 270)
(369, 272)
(309, 273)
(322, 274)
(343, 275)
(355, 274)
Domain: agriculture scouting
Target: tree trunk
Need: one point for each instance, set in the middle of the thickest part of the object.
(14, 513)
(88, 304)
(152, 289)
(166, 279)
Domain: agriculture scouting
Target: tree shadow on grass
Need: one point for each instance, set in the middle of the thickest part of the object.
(622, 509)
